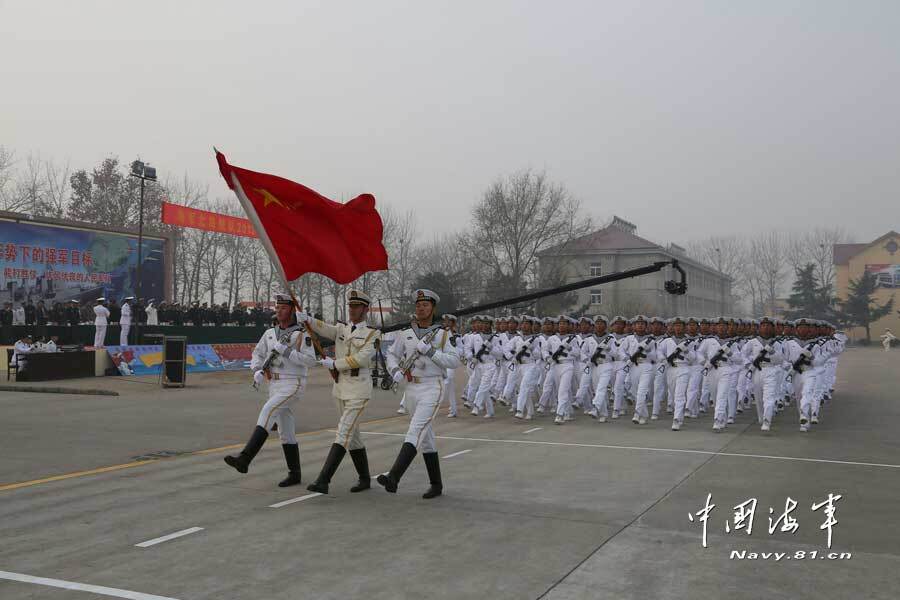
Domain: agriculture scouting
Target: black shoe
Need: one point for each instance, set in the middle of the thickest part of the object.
(406, 456)
(335, 456)
(361, 462)
(434, 475)
(292, 458)
(241, 462)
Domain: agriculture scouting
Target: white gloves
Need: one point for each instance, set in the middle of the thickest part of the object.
(302, 317)
(281, 348)
(398, 376)
(423, 347)
(328, 363)
(258, 377)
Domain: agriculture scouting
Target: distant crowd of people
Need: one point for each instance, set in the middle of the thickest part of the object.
(147, 312)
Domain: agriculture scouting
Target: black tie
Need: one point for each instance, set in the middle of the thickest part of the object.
(352, 329)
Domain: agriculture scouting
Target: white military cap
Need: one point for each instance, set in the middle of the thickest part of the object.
(127, 298)
(512, 319)
(550, 320)
(449, 317)
(637, 318)
(358, 297)
(101, 300)
(568, 319)
(657, 320)
(619, 318)
(601, 318)
(426, 295)
(587, 318)
(487, 318)
(284, 299)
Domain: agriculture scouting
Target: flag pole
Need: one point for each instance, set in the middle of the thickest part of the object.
(273, 258)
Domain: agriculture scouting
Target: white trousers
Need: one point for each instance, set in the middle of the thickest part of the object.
(659, 386)
(724, 392)
(602, 375)
(474, 381)
(564, 394)
(513, 380)
(677, 379)
(99, 336)
(618, 385)
(804, 391)
(695, 383)
(424, 399)
(347, 434)
(278, 409)
(483, 396)
(450, 390)
(764, 386)
(123, 334)
(641, 383)
(530, 379)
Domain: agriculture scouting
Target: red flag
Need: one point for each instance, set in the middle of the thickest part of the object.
(305, 232)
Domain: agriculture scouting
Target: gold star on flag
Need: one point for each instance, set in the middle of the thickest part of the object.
(268, 198)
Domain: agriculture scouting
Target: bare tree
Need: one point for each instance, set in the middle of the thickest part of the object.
(7, 171)
(767, 259)
(816, 246)
(56, 190)
(517, 218)
(30, 186)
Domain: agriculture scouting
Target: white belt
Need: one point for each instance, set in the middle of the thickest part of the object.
(279, 376)
(425, 378)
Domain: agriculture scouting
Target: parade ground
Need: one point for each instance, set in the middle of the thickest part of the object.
(128, 496)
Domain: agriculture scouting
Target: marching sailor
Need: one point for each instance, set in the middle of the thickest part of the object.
(354, 354)
(421, 354)
(449, 323)
(283, 357)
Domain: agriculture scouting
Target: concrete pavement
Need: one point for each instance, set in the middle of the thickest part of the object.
(530, 510)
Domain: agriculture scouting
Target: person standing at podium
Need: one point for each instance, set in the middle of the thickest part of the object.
(101, 320)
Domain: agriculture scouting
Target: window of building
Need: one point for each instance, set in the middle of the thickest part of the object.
(596, 296)
(596, 271)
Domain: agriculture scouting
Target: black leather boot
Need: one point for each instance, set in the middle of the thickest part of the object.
(242, 461)
(406, 456)
(434, 475)
(361, 462)
(292, 458)
(335, 456)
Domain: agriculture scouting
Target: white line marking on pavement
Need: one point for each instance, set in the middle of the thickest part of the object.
(171, 536)
(615, 447)
(456, 454)
(81, 587)
(292, 500)
(533, 429)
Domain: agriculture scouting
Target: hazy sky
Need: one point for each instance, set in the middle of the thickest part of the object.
(684, 117)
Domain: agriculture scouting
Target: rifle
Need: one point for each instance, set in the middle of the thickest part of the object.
(521, 354)
(484, 348)
(598, 354)
(715, 360)
(638, 355)
(559, 353)
(285, 338)
(679, 353)
(407, 363)
(760, 358)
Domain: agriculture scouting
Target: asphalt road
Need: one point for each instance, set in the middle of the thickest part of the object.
(530, 510)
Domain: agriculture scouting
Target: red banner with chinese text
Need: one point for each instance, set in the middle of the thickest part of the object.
(183, 216)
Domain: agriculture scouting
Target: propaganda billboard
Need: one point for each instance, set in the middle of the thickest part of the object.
(55, 263)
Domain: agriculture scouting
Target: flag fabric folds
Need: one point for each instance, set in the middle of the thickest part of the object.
(305, 232)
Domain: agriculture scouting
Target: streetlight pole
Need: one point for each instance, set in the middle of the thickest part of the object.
(145, 173)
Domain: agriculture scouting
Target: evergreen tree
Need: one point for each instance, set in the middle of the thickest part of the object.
(809, 298)
(860, 308)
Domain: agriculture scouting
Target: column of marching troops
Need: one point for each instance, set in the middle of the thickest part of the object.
(643, 366)
(534, 366)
